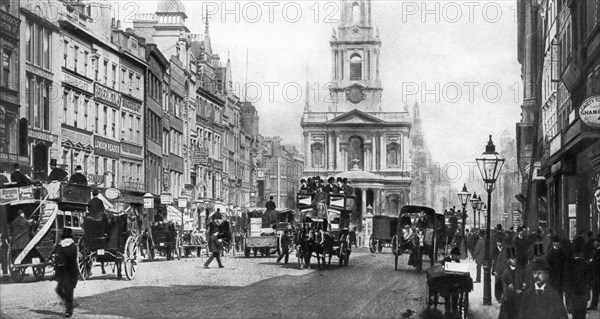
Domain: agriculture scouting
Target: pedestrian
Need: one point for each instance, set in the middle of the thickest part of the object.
(577, 280)
(66, 269)
(270, 205)
(595, 282)
(215, 247)
(498, 264)
(285, 247)
(556, 259)
(535, 251)
(541, 301)
(18, 177)
(57, 173)
(78, 178)
(479, 254)
(512, 279)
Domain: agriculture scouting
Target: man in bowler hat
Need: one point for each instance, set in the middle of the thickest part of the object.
(18, 177)
(541, 301)
(78, 178)
(66, 269)
(512, 279)
(57, 173)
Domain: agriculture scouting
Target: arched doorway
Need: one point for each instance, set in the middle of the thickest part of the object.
(40, 160)
(355, 152)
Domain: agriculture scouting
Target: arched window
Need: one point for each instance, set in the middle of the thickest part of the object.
(355, 13)
(317, 155)
(393, 154)
(355, 68)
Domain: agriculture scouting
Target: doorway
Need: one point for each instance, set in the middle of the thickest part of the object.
(40, 161)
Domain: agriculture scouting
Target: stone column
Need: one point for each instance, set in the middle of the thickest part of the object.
(383, 152)
(364, 201)
(373, 153)
(335, 152)
(308, 156)
(376, 199)
(404, 151)
(330, 151)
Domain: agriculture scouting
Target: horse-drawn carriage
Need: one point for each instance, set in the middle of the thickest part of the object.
(384, 232)
(163, 238)
(262, 230)
(325, 228)
(418, 232)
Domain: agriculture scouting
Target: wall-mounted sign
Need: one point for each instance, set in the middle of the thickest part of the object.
(75, 135)
(131, 150)
(182, 202)
(131, 104)
(112, 193)
(78, 83)
(44, 136)
(106, 147)
(572, 210)
(589, 111)
(165, 198)
(148, 200)
(107, 95)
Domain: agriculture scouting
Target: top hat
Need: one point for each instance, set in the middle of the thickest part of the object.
(339, 179)
(331, 179)
(538, 249)
(540, 263)
(303, 181)
(67, 232)
(78, 167)
(455, 251)
(511, 252)
(53, 162)
(95, 192)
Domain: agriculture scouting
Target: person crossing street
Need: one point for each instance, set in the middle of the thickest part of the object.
(215, 247)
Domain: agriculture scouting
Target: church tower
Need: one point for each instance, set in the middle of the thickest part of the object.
(355, 51)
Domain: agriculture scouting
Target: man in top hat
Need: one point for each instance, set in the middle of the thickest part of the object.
(66, 269)
(479, 254)
(577, 280)
(331, 187)
(498, 264)
(541, 301)
(78, 178)
(536, 251)
(454, 256)
(56, 173)
(556, 257)
(270, 205)
(18, 177)
(512, 279)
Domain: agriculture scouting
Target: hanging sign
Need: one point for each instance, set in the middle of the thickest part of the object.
(589, 111)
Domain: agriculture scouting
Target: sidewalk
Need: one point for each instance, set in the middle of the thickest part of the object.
(476, 308)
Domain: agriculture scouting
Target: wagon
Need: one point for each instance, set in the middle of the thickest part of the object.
(384, 232)
(418, 232)
(163, 238)
(449, 285)
(258, 233)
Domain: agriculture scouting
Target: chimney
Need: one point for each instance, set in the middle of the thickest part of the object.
(118, 24)
(112, 24)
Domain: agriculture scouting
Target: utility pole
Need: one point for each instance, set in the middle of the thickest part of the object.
(278, 183)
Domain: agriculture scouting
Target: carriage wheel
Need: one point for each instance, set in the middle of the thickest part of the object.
(372, 244)
(396, 250)
(343, 254)
(39, 272)
(465, 305)
(82, 259)
(130, 260)
(379, 246)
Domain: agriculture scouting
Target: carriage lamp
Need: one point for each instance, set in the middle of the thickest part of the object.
(463, 197)
(490, 164)
(474, 203)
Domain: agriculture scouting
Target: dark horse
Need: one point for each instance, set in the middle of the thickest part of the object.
(311, 242)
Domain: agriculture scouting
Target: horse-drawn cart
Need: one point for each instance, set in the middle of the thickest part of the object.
(384, 232)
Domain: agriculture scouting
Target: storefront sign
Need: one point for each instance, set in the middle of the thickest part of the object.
(165, 198)
(572, 210)
(132, 105)
(148, 201)
(105, 94)
(44, 136)
(78, 83)
(9, 194)
(201, 157)
(182, 202)
(131, 150)
(13, 158)
(589, 111)
(106, 147)
(75, 136)
(112, 193)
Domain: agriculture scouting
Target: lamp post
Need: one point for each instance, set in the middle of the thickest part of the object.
(474, 203)
(463, 197)
(490, 164)
(480, 206)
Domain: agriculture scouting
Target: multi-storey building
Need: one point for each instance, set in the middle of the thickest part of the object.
(283, 166)
(13, 118)
(560, 53)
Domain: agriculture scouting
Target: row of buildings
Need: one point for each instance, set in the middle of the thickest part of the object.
(148, 109)
(558, 137)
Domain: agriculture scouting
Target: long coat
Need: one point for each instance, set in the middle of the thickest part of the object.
(547, 305)
(499, 259)
(19, 233)
(66, 268)
(214, 246)
(479, 252)
(512, 291)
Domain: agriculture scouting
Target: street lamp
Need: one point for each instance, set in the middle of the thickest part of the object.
(474, 203)
(489, 165)
(463, 197)
(480, 206)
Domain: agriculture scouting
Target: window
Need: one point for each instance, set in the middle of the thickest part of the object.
(355, 13)
(130, 127)
(123, 114)
(105, 71)
(114, 76)
(130, 84)
(123, 77)
(96, 68)
(65, 105)
(86, 103)
(65, 53)
(355, 68)
(46, 106)
(29, 42)
(114, 123)
(137, 83)
(393, 154)
(105, 120)
(75, 108)
(39, 40)
(6, 68)
(46, 49)
(75, 57)
(97, 165)
(85, 63)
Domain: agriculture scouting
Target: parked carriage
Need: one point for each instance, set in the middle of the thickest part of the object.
(164, 239)
(418, 233)
(384, 232)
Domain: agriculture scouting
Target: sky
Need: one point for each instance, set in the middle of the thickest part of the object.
(457, 59)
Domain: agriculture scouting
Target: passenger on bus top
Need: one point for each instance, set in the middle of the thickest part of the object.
(95, 205)
(57, 173)
(303, 185)
(78, 178)
(331, 188)
(18, 177)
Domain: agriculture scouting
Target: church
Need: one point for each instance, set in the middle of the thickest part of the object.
(354, 138)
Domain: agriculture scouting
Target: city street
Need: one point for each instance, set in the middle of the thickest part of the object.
(246, 288)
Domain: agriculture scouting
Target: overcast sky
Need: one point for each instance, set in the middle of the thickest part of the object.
(457, 59)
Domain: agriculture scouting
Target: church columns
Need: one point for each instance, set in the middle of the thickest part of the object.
(374, 153)
(308, 157)
(364, 201)
(330, 151)
(404, 150)
(382, 151)
(333, 56)
(376, 199)
(336, 154)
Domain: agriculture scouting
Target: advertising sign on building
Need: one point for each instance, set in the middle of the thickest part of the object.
(75, 135)
(132, 104)
(106, 147)
(107, 95)
(589, 111)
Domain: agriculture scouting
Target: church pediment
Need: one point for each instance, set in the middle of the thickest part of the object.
(356, 117)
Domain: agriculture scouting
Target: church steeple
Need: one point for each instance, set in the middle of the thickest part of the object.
(355, 51)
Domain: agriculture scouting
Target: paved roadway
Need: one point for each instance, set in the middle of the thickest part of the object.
(245, 288)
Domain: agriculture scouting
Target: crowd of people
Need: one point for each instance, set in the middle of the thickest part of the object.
(19, 179)
(334, 185)
(538, 274)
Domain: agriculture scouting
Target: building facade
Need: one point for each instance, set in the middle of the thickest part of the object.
(558, 137)
(354, 138)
